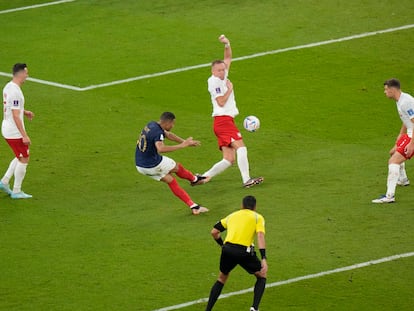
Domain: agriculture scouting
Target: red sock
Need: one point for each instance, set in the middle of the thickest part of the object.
(180, 192)
(185, 174)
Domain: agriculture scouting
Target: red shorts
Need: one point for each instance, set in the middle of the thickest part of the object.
(20, 150)
(402, 143)
(226, 131)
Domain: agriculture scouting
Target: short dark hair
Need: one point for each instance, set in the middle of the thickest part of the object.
(249, 202)
(167, 116)
(216, 62)
(393, 83)
(18, 67)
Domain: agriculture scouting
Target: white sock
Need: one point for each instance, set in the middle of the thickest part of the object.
(403, 173)
(243, 163)
(10, 172)
(393, 174)
(217, 168)
(19, 173)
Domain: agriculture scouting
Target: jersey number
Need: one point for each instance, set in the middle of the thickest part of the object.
(142, 143)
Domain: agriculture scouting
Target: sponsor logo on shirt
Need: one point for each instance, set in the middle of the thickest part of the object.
(218, 90)
(15, 103)
(410, 112)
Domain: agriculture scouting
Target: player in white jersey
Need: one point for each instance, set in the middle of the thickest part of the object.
(224, 111)
(13, 130)
(404, 146)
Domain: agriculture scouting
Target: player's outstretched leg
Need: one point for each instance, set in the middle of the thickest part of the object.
(217, 168)
(183, 196)
(183, 173)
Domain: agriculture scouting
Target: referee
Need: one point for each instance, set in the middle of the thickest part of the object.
(237, 249)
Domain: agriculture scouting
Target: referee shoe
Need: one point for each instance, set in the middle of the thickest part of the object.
(253, 181)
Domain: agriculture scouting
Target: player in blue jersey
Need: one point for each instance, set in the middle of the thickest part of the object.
(149, 162)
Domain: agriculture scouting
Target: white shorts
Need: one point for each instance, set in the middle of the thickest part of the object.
(160, 171)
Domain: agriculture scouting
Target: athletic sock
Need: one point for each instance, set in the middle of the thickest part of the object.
(185, 174)
(10, 171)
(214, 295)
(218, 168)
(180, 193)
(403, 173)
(393, 174)
(19, 173)
(243, 163)
(259, 289)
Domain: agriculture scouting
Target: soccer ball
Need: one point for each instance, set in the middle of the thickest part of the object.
(251, 123)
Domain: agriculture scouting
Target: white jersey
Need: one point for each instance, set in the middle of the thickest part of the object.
(405, 106)
(217, 88)
(13, 99)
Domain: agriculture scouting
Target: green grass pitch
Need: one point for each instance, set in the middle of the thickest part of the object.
(99, 236)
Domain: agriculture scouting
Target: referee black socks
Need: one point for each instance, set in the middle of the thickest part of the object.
(214, 295)
(259, 289)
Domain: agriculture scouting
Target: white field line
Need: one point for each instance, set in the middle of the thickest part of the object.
(35, 6)
(261, 54)
(60, 85)
(294, 280)
(299, 47)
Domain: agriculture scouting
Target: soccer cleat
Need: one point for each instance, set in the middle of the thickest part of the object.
(196, 210)
(384, 199)
(5, 188)
(253, 181)
(20, 195)
(199, 181)
(253, 309)
(403, 182)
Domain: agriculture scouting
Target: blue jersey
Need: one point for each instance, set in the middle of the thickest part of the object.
(146, 154)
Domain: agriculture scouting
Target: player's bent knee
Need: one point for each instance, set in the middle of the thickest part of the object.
(24, 160)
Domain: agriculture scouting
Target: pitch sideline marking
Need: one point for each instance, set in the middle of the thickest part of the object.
(35, 6)
(177, 70)
(293, 48)
(294, 280)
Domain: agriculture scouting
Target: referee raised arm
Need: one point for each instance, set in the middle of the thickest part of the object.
(237, 249)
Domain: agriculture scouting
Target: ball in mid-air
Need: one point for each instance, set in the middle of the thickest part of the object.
(251, 123)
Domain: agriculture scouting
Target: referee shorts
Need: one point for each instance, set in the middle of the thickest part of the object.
(233, 255)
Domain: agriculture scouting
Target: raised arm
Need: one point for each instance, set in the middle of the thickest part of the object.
(227, 51)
